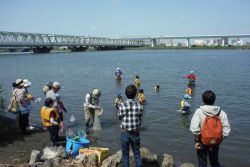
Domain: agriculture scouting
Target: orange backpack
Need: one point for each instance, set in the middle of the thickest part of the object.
(211, 132)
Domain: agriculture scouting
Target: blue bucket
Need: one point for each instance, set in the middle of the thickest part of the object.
(74, 146)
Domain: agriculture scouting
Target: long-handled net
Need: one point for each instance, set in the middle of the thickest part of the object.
(97, 124)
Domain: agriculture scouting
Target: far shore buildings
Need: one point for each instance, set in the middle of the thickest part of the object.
(218, 42)
(200, 42)
(205, 42)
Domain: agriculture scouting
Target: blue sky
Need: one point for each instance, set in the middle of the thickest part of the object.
(126, 18)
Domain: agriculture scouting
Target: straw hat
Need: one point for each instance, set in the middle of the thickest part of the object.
(19, 81)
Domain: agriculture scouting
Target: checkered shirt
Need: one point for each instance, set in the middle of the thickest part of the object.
(130, 113)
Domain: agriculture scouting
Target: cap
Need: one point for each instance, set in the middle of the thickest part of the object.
(96, 93)
(50, 84)
(56, 85)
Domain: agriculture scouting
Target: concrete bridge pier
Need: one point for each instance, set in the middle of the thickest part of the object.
(188, 42)
(12, 50)
(79, 49)
(153, 42)
(43, 49)
(224, 41)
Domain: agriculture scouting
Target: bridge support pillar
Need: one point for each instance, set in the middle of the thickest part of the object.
(224, 41)
(188, 42)
(79, 49)
(153, 43)
(42, 49)
(171, 42)
(12, 50)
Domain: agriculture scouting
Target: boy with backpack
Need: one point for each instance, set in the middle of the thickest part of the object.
(209, 126)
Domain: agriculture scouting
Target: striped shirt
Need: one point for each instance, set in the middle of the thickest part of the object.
(130, 113)
(22, 100)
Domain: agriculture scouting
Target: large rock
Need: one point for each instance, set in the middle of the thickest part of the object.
(49, 153)
(37, 164)
(113, 160)
(53, 152)
(35, 156)
(80, 158)
(90, 160)
(61, 152)
(57, 162)
(187, 165)
(16, 161)
(48, 163)
(168, 161)
(147, 156)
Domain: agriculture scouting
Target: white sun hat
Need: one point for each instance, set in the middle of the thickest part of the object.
(26, 83)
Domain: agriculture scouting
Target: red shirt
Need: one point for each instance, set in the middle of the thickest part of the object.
(191, 76)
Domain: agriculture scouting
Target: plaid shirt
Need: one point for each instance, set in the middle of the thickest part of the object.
(130, 113)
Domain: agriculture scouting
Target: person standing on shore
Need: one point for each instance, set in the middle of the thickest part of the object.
(19, 94)
(50, 120)
(52, 94)
(210, 126)
(61, 108)
(26, 84)
(47, 87)
(130, 114)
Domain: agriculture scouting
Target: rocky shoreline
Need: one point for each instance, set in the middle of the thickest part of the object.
(57, 157)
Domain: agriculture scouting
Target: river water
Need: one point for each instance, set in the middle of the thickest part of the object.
(164, 130)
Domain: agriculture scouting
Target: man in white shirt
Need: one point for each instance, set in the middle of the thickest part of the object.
(52, 94)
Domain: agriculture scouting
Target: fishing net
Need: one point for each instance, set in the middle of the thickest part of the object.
(97, 124)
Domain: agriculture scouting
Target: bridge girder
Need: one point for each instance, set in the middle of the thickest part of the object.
(15, 39)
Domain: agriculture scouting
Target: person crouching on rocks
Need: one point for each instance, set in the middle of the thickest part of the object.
(50, 119)
(61, 108)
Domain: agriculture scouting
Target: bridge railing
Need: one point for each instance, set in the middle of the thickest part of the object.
(32, 40)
